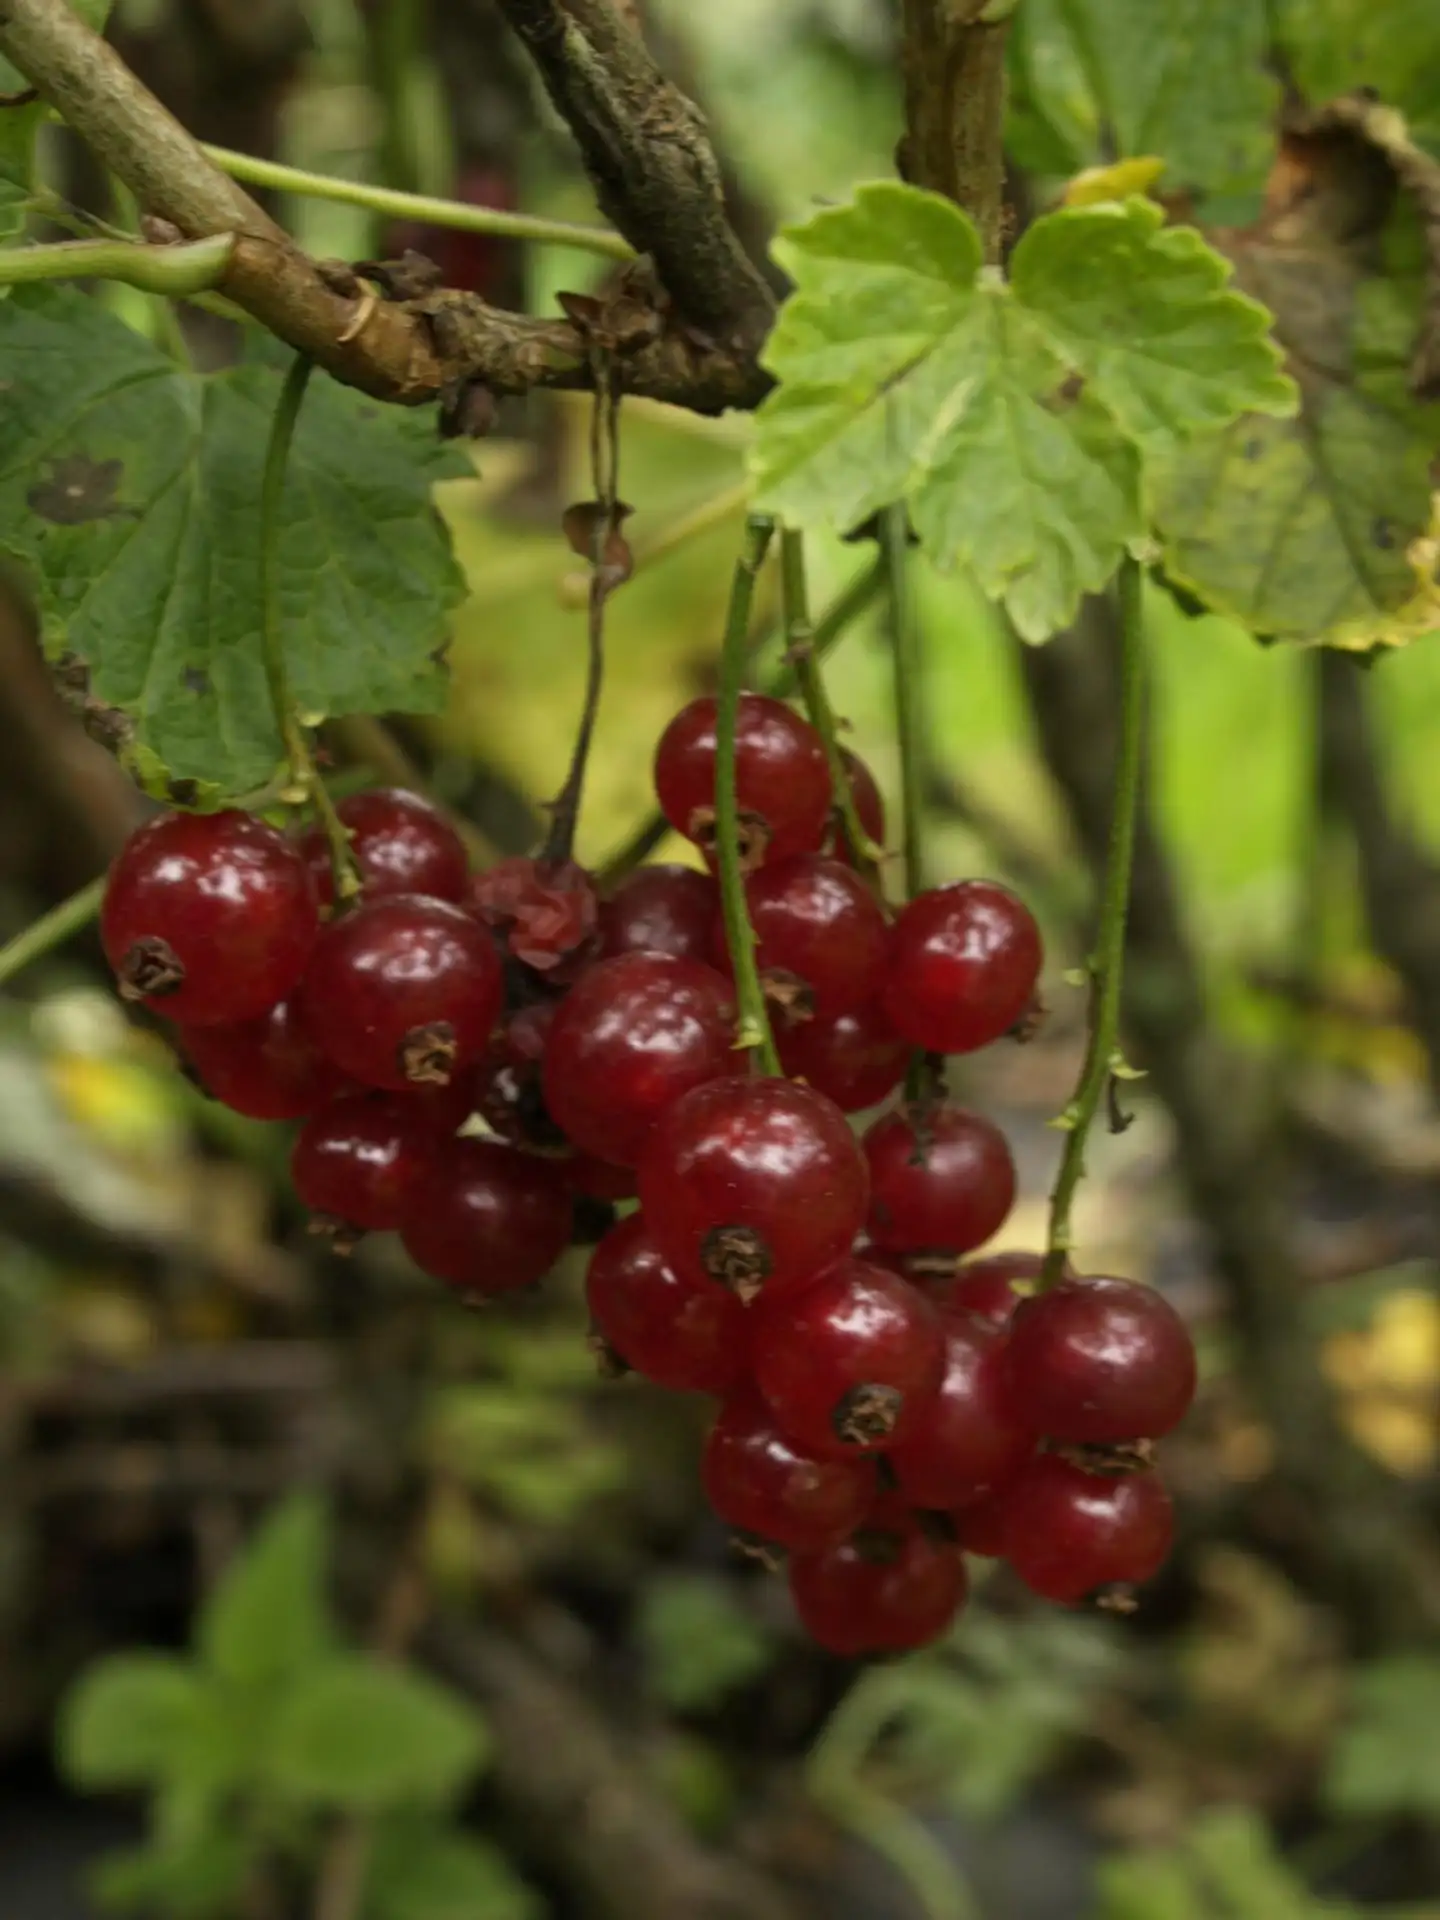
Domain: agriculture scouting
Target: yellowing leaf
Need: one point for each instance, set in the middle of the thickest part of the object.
(1118, 181)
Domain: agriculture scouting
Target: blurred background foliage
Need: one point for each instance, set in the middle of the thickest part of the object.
(493, 1661)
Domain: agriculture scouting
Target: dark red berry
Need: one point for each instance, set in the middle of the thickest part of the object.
(403, 992)
(486, 1218)
(884, 1590)
(980, 1527)
(268, 1068)
(508, 1090)
(760, 1483)
(661, 909)
(969, 1436)
(356, 1159)
(782, 780)
(985, 1288)
(964, 961)
(941, 1178)
(633, 1034)
(401, 844)
(851, 1363)
(1067, 1532)
(857, 1060)
(1098, 1361)
(819, 929)
(208, 917)
(756, 1183)
(869, 807)
(598, 1179)
(474, 262)
(546, 913)
(688, 1335)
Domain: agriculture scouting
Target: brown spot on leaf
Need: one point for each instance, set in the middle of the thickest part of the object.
(77, 490)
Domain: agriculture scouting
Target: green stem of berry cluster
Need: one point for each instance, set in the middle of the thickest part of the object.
(801, 653)
(846, 608)
(754, 1031)
(909, 688)
(390, 201)
(306, 786)
(178, 272)
(1107, 962)
(52, 929)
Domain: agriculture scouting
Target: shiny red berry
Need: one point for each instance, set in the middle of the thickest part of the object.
(964, 961)
(403, 992)
(755, 1183)
(401, 844)
(486, 1218)
(969, 1436)
(819, 930)
(268, 1068)
(355, 1160)
(688, 1335)
(850, 1364)
(941, 1178)
(761, 1483)
(782, 779)
(885, 1590)
(545, 912)
(857, 1059)
(661, 909)
(208, 917)
(985, 1288)
(632, 1035)
(1067, 1532)
(1098, 1361)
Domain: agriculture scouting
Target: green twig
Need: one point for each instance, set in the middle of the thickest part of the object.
(800, 653)
(178, 272)
(52, 929)
(754, 1017)
(305, 782)
(909, 691)
(398, 205)
(838, 617)
(1107, 962)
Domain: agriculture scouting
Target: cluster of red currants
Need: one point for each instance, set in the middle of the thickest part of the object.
(884, 1407)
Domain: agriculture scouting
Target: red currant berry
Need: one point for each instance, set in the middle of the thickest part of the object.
(632, 1035)
(268, 1068)
(851, 1363)
(756, 1183)
(985, 1288)
(980, 1527)
(761, 1484)
(596, 1179)
(782, 780)
(884, 1590)
(403, 992)
(940, 1178)
(856, 1059)
(1067, 1532)
(1098, 1361)
(818, 929)
(208, 917)
(661, 909)
(968, 1437)
(688, 1335)
(964, 961)
(508, 1092)
(356, 1159)
(401, 843)
(869, 807)
(486, 1218)
(546, 913)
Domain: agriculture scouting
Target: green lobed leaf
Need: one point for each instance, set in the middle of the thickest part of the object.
(361, 1735)
(130, 488)
(1309, 528)
(1006, 416)
(420, 1871)
(131, 1720)
(1386, 1760)
(267, 1621)
(202, 1879)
